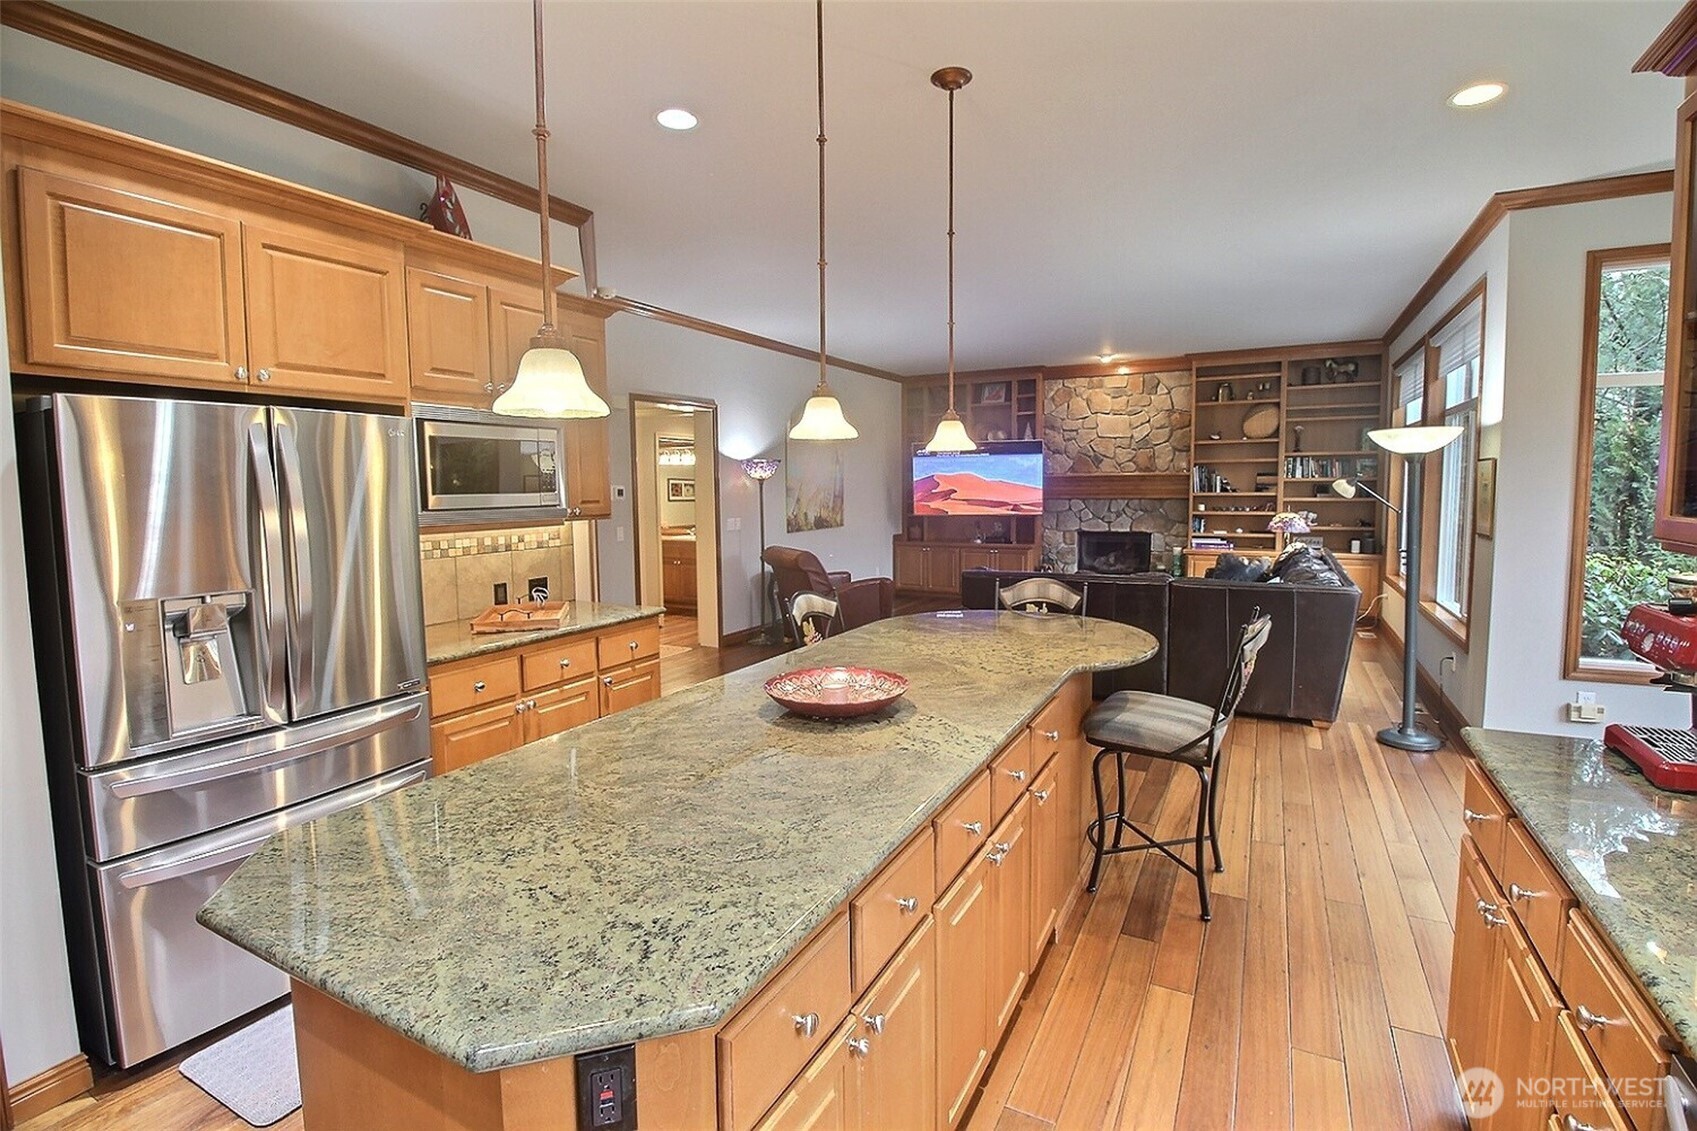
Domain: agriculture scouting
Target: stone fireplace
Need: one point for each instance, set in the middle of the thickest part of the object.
(1114, 551)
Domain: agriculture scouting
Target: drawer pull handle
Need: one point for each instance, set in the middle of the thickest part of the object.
(1589, 1020)
(859, 1046)
(1052, 735)
(1473, 818)
(1488, 911)
(1572, 1123)
(241, 373)
(521, 706)
(1041, 795)
(1516, 893)
(1017, 775)
(997, 855)
(479, 686)
(265, 374)
(876, 1023)
(806, 1024)
(976, 828)
(608, 680)
(565, 663)
(907, 905)
(634, 645)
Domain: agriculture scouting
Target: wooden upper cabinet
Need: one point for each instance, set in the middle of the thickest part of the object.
(587, 485)
(125, 283)
(1676, 495)
(514, 316)
(325, 317)
(448, 339)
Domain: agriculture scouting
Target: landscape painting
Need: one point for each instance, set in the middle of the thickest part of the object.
(978, 483)
(813, 486)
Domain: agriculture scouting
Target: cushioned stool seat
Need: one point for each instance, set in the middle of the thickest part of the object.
(1143, 720)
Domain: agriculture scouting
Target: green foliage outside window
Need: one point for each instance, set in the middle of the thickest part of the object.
(1624, 564)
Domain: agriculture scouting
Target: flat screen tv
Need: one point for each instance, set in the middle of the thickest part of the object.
(998, 479)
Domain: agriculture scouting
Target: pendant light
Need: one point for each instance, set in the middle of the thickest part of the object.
(823, 418)
(550, 379)
(951, 433)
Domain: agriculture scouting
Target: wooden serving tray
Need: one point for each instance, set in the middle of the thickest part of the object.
(525, 617)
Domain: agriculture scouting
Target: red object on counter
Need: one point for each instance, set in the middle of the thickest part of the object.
(1668, 757)
(1660, 638)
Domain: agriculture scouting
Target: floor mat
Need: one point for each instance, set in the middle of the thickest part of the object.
(252, 1071)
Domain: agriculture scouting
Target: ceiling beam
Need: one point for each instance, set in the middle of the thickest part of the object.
(719, 329)
(102, 40)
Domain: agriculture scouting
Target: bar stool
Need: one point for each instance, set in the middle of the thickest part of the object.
(814, 617)
(1041, 595)
(1175, 730)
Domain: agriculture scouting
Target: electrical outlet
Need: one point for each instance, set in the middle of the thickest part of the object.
(733, 525)
(618, 491)
(1585, 708)
(500, 592)
(537, 588)
(621, 533)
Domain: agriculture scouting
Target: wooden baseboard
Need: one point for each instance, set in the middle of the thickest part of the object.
(45, 1091)
(1447, 714)
(741, 636)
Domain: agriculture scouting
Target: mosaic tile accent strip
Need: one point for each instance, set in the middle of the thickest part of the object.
(462, 545)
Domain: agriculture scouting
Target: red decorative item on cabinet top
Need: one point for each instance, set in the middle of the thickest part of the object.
(443, 210)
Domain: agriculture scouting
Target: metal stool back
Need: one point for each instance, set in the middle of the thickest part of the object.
(814, 617)
(1176, 730)
(1042, 595)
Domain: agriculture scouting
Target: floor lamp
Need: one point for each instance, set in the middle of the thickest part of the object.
(760, 470)
(1413, 445)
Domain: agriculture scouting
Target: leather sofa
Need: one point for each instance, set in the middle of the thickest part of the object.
(1301, 670)
(800, 571)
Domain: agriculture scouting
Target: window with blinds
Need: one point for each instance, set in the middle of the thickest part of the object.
(1457, 350)
(1410, 393)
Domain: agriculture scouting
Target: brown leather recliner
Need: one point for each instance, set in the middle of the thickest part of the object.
(800, 571)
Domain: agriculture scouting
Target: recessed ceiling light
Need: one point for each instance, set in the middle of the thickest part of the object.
(676, 118)
(1104, 358)
(1477, 95)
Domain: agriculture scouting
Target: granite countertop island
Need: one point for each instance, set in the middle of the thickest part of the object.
(1627, 849)
(638, 876)
(455, 640)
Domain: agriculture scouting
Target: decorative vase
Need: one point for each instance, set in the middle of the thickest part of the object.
(443, 210)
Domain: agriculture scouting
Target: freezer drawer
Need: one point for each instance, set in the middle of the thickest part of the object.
(142, 805)
(170, 979)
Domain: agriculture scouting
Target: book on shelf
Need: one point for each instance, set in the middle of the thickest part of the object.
(1331, 467)
(1209, 544)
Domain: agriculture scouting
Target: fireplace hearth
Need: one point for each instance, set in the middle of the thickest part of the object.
(1113, 551)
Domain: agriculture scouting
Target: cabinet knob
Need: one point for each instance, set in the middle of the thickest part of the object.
(1473, 818)
(479, 686)
(1017, 775)
(1052, 735)
(265, 374)
(908, 905)
(806, 1024)
(1516, 893)
(1589, 1020)
(1041, 795)
(976, 828)
(876, 1023)
(565, 663)
(1488, 912)
(997, 855)
(489, 386)
(241, 373)
(859, 1046)
(608, 680)
(1572, 1123)
(634, 645)
(521, 706)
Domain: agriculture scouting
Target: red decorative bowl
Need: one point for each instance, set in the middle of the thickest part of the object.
(836, 693)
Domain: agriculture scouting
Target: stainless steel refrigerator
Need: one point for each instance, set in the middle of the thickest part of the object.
(229, 635)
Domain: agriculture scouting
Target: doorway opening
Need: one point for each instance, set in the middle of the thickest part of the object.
(675, 469)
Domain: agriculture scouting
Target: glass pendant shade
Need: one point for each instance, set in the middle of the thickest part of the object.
(951, 436)
(1414, 441)
(823, 418)
(759, 469)
(550, 383)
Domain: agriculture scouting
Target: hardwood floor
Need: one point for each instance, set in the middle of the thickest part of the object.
(1313, 1000)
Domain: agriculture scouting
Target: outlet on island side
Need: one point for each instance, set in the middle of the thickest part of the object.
(606, 1089)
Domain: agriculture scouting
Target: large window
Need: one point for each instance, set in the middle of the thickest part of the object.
(1410, 404)
(1456, 352)
(1616, 560)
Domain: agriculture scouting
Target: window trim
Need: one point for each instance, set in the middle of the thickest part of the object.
(1574, 665)
(1391, 480)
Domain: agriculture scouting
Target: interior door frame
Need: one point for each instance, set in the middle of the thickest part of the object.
(658, 400)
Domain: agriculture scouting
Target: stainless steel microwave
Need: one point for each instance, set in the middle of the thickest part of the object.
(478, 467)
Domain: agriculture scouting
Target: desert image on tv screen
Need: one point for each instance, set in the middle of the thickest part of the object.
(979, 483)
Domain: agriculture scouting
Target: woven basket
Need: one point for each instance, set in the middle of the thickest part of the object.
(1261, 423)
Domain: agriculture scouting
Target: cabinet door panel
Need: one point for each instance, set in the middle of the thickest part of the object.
(964, 926)
(561, 709)
(514, 317)
(448, 339)
(326, 317)
(1010, 857)
(826, 1096)
(1473, 970)
(898, 1082)
(587, 475)
(909, 565)
(628, 686)
(1051, 864)
(122, 283)
(1524, 1028)
(474, 736)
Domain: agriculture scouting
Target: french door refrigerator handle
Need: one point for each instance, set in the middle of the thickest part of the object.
(301, 604)
(259, 760)
(272, 624)
(235, 846)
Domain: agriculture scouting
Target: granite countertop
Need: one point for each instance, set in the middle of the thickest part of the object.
(1627, 849)
(639, 875)
(455, 640)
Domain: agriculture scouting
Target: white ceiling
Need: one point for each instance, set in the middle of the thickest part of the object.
(1142, 178)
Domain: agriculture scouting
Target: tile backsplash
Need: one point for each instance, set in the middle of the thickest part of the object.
(461, 569)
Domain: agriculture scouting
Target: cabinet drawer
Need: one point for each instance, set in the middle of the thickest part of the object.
(637, 642)
(1486, 814)
(1536, 894)
(769, 1040)
(1010, 773)
(891, 906)
(1054, 728)
(1584, 1092)
(962, 829)
(555, 663)
(1611, 1020)
(477, 685)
